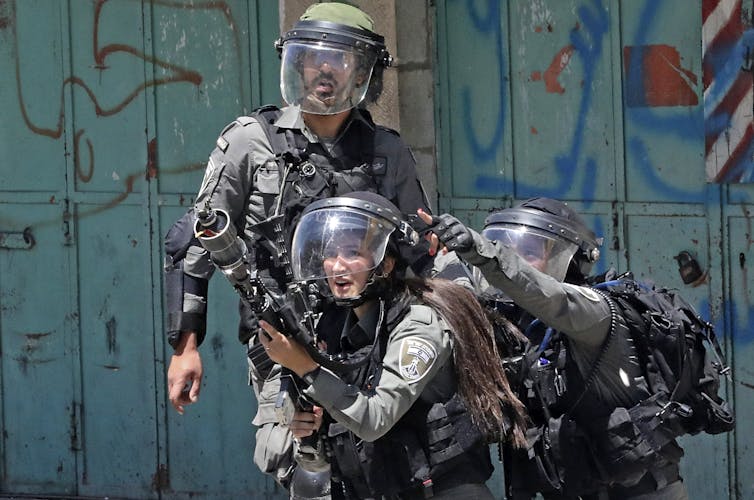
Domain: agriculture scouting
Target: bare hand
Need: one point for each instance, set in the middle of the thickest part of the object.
(286, 351)
(185, 374)
(306, 423)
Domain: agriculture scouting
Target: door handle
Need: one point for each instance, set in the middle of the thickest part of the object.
(23, 240)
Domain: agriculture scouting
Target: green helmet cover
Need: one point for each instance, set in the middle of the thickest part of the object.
(340, 13)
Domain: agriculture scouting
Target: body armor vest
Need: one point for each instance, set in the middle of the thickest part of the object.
(578, 444)
(433, 445)
(307, 172)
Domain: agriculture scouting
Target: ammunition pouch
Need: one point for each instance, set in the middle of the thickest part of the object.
(632, 441)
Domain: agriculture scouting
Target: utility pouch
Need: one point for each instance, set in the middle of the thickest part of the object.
(639, 438)
(345, 451)
(260, 359)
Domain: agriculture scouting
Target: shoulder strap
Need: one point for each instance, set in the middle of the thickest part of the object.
(589, 380)
(267, 116)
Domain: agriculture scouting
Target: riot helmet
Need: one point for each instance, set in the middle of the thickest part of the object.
(344, 240)
(332, 60)
(549, 235)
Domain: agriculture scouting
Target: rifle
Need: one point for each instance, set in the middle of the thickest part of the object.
(289, 312)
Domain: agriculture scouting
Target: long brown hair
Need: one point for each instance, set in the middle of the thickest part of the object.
(482, 382)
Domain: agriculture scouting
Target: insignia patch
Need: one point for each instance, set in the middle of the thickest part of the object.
(416, 358)
(379, 165)
(208, 174)
(222, 144)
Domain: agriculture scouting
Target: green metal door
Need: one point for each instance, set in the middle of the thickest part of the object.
(599, 103)
(109, 111)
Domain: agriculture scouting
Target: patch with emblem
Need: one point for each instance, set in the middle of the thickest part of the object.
(379, 165)
(208, 174)
(416, 358)
(222, 144)
(589, 293)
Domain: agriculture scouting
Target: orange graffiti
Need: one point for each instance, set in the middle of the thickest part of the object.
(176, 74)
(558, 64)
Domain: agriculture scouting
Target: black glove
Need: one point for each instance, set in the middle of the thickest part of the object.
(452, 233)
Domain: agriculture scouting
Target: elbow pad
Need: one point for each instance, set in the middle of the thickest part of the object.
(185, 295)
(186, 302)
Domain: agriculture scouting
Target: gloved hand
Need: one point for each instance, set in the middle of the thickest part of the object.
(452, 233)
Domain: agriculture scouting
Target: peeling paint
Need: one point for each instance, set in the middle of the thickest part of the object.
(217, 347)
(5, 15)
(112, 340)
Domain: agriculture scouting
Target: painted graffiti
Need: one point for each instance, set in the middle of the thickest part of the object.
(107, 55)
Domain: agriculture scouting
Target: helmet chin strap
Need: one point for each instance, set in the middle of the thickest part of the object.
(374, 287)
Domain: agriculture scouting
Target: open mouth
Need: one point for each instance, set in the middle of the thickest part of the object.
(325, 87)
(341, 285)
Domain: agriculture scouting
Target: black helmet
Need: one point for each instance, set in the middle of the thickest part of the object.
(548, 234)
(343, 54)
(360, 225)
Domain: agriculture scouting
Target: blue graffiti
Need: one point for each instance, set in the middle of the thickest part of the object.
(589, 50)
(638, 150)
(490, 21)
(688, 125)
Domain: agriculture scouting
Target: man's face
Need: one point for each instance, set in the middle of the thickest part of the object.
(328, 75)
(535, 251)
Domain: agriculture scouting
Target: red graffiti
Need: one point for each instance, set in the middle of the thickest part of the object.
(101, 54)
(151, 159)
(663, 82)
(558, 64)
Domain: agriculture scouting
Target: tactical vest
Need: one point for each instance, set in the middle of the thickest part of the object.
(577, 445)
(433, 446)
(307, 172)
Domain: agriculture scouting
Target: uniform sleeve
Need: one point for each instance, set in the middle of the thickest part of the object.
(402, 185)
(409, 189)
(578, 311)
(417, 349)
(228, 180)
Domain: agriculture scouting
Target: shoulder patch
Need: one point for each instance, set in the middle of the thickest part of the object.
(422, 314)
(379, 165)
(416, 358)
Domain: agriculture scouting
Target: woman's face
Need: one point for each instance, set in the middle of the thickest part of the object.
(347, 269)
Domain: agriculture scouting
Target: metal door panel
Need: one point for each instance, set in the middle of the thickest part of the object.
(119, 422)
(217, 428)
(478, 99)
(741, 309)
(201, 83)
(108, 66)
(562, 108)
(31, 96)
(38, 395)
(652, 242)
(663, 114)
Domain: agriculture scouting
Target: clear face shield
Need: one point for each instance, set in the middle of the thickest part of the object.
(544, 251)
(334, 242)
(324, 78)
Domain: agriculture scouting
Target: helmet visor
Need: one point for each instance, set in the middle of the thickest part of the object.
(324, 78)
(541, 249)
(335, 242)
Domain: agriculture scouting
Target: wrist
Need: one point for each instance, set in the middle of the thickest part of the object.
(311, 375)
(187, 342)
